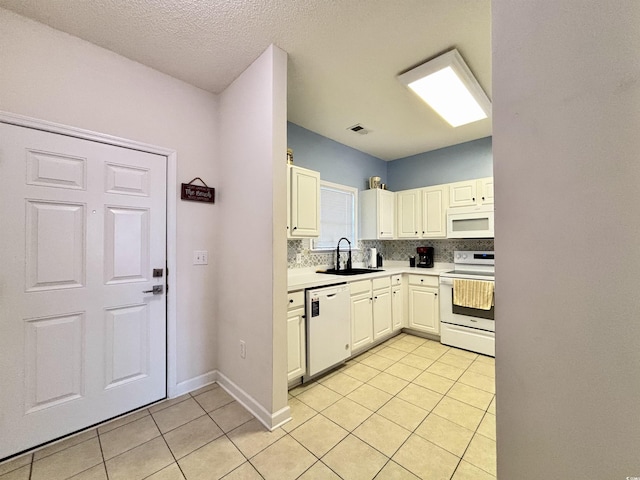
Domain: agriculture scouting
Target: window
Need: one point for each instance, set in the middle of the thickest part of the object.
(338, 216)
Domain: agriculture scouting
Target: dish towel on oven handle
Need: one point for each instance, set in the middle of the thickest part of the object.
(473, 293)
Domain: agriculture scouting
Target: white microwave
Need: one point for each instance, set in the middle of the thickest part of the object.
(470, 222)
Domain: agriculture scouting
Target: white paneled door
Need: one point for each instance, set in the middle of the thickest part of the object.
(82, 337)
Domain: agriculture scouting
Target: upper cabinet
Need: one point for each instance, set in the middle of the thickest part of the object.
(421, 212)
(471, 193)
(377, 214)
(303, 187)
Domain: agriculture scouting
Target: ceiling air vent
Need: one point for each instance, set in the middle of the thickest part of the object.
(357, 128)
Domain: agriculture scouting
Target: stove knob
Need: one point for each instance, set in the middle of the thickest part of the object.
(464, 256)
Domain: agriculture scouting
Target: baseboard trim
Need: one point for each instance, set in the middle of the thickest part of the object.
(192, 384)
(269, 420)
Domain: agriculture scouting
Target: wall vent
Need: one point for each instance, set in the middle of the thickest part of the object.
(357, 128)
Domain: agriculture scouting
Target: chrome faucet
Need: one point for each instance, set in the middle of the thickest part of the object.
(338, 254)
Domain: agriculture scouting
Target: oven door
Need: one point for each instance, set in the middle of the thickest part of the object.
(463, 316)
(470, 222)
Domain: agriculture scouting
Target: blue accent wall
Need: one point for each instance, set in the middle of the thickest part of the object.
(336, 162)
(450, 164)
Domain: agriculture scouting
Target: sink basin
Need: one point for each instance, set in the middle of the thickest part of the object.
(351, 271)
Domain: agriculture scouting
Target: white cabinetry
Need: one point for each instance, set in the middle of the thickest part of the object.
(361, 314)
(304, 202)
(409, 213)
(424, 312)
(471, 193)
(296, 336)
(397, 303)
(377, 214)
(421, 212)
(382, 320)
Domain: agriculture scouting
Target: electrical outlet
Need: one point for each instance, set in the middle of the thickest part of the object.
(298, 258)
(200, 257)
(243, 349)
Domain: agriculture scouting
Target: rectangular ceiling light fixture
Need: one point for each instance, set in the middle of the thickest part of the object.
(447, 85)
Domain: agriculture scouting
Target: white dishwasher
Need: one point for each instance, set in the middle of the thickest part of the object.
(328, 327)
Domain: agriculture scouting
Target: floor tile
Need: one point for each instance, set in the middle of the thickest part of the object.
(405, 372)
(463, 353)
(297, 390)
(459, 413)
(243, 472)
(319, 435)
(488, 426)
(486, 359)
(434, 382)
(63, 444)
(94, 473)
(230, 416)
(446, 434)
(354, 459)
(20, 473)
(377, 362)
(403, 413)
(168, 403)
(466, 471)
(428, 353)
(446, 371)
(347, 413)
(420, 396)
(482, 453)
(416, 361)
(300, 413)
(370, 397)
(191, 436)
(471, 395)
(361, 372)
(382, 434)
(450, 358)
(15, 463)
(393, 471)
(212, 461)
(414, 339)
(426, 460)
(118, 422)
(388, 383)
(213, 399)
(140, 462)
(172, 472)
(284, 460)
(204, 389)
(253, 437)
(68, 462)
(492, 406)
(341, 383)
(128, 436)
(404, 346)
(177, 414)
(392, 353)
(488, 384)
(483, 368)
(319, 471)
(436, 347)
(319, 397)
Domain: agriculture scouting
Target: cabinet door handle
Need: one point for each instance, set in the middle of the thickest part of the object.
(482, 198)
(291, 300)
(474, 199)
(436, 294)
(295, 228)
(416, 233)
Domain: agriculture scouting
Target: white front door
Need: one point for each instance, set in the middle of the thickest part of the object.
(83, 225)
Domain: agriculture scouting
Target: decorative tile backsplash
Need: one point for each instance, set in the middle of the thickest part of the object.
(396, 250)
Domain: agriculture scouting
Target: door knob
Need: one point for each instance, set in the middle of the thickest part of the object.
(156, 290)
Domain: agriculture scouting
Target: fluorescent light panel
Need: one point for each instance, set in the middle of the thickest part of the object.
(447, 85)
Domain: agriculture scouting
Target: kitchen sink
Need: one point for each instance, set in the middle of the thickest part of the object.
(351, 271)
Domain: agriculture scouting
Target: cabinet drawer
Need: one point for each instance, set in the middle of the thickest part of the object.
(296, 300)
(383, 282)
(424, 280)
(396, 280)
(361, 286)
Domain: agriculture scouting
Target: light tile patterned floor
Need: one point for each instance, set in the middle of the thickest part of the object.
(409, 408)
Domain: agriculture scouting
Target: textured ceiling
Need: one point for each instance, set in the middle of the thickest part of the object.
(344, 55)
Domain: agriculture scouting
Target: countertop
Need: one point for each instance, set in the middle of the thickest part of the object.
(301, 278)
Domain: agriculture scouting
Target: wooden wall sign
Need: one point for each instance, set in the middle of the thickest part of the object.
(196, 193)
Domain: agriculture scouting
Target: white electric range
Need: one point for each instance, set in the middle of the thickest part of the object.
(463, 327)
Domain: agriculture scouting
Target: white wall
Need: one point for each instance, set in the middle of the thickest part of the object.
(53, 76)
(252, 233)
(566, 143)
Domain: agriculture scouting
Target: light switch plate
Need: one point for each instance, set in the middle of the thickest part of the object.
(200, 257)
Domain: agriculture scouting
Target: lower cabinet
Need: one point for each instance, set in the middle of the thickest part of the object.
(296, 337)
(382, 310)
(424, 311)
(371, 311)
